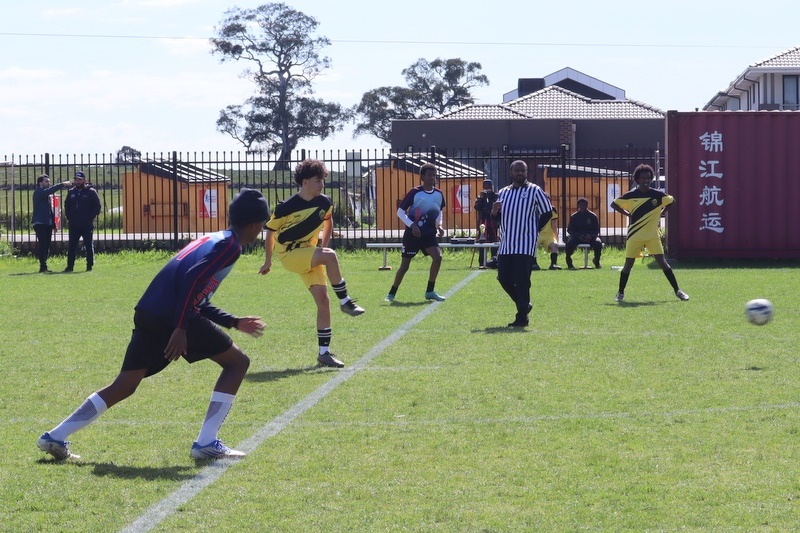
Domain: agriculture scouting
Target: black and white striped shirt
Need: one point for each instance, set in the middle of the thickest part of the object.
(519, 217)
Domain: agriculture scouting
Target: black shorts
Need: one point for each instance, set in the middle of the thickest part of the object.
(152, 333)
(412, 245)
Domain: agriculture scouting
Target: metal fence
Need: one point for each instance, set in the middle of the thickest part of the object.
(163, 200)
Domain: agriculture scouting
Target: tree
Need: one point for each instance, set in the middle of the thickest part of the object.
(433, 89)
(285, 58)
(126, 154)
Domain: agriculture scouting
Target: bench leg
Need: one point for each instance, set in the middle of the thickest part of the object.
(385, 265)
(586, 257)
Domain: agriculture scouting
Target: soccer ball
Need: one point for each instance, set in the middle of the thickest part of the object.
(758, 311)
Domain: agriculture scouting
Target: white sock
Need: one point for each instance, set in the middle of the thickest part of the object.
(218, 409)
(89, 411)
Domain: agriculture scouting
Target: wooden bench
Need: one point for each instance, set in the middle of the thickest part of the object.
(385, 246)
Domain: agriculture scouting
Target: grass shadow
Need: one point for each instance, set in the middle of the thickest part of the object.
(267, 376)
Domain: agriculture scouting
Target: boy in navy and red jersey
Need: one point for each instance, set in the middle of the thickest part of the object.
(175, 318)
(421, 212)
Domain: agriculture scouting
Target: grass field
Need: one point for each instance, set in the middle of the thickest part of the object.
(653, 414)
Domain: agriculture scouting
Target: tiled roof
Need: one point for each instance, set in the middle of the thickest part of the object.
(789, 58)
(483, 112)
(555, 102)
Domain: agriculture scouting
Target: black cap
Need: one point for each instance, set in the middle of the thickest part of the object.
(247, 207)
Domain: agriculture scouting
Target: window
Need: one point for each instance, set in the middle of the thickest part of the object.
(791, 95)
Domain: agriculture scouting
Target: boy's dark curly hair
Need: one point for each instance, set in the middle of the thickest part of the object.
(309, 168)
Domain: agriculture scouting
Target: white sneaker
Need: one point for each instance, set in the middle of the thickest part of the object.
(57, 448)
(214, 450)
(682, 295)
(619, 297)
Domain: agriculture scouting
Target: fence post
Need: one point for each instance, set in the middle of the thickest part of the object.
(175, 190)
(563, 210)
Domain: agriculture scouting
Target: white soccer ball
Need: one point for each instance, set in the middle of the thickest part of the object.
(758, 311)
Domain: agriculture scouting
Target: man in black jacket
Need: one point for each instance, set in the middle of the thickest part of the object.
(81, 208)
(583, 228)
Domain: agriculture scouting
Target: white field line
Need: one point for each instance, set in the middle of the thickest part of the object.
(189, 489)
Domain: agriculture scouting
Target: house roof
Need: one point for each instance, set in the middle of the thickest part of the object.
(184, 172)
(554, 102)
(788, 59)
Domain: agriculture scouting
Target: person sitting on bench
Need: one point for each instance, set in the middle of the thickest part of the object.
(583, 228)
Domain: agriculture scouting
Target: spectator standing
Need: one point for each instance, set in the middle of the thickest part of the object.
(644, 207)
(583, 228)
(175, 318)
(483, 207)
(44, 222)
(81, 208)
(293, 233)
(421, 212)
(520, 206)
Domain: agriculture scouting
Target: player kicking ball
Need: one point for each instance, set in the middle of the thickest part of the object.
(293, 234)
(175, 318)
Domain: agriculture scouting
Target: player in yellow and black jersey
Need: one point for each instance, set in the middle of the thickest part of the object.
(644, 206)
(293, 234)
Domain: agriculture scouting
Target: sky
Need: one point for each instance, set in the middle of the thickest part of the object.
(88, 77)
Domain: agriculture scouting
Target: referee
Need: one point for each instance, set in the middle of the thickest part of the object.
(519, 207)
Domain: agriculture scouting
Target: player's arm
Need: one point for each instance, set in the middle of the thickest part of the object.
(327, 231)
(615, 206)
(269, 245)
(439, 227)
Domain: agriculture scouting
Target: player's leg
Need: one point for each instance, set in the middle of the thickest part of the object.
(411, 246)
(435, 254)
(553, 249)
(324, 331)
(234, 365)
(670, 275)
(327, 257)
(55, 442)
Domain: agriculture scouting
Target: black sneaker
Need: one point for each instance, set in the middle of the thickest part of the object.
(68, 269)
(328, 359)
(596, 263)
(519, 323)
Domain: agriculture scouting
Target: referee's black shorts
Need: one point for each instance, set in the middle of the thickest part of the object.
(151, 334)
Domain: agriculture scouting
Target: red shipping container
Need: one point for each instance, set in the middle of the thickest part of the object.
(736, 180)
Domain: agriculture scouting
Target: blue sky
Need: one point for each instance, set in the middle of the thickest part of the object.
(89, 77)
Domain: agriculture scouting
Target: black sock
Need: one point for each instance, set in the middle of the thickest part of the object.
(430, 286)
(393, 290)
(554, 258)
(671, 277)
(340, 290)
(623, 280)
(324, 338)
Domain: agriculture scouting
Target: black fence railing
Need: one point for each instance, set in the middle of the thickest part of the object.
(163, 200)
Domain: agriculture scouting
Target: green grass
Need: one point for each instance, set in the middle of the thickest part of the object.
(653, 414)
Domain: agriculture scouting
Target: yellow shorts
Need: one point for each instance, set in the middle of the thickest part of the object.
(299, 261)
(633, 248)
(546, 238)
